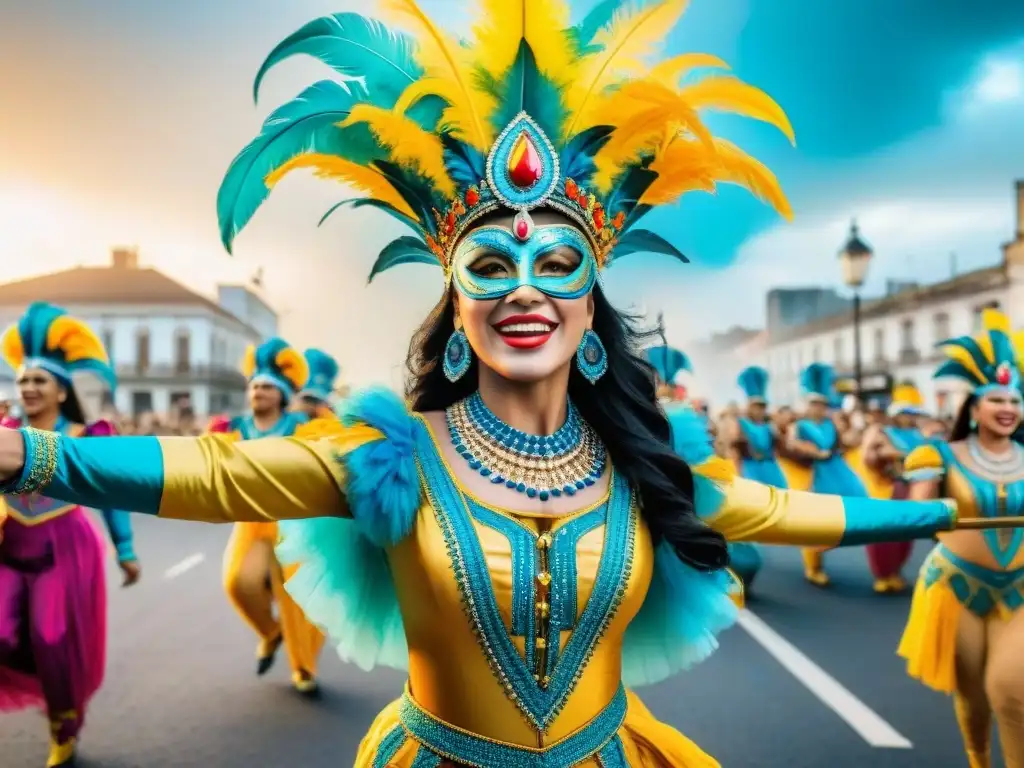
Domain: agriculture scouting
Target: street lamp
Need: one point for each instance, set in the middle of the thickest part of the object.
(854, 259)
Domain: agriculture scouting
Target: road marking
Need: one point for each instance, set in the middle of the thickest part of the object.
(187, 564)
(864, 720)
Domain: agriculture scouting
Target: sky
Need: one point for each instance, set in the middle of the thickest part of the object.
(120, 117)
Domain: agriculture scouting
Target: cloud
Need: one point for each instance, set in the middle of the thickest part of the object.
(997, 81)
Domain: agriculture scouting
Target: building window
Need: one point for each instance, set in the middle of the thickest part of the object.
(879, 345)
(908, 349)
(142, 402)
(142, 351)
(816, 353)
(940, 324)
(837, 350)
(182, 351)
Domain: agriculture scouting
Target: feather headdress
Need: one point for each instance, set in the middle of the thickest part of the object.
(906, 398)
(323, 371)
(817, 382)
(529, 112)
(48, 337)
(990, 360)
(754, 383)
(277, 362)
(668, 362)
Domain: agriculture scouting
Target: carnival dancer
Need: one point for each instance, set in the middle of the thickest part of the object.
(668, 363)
(528, 537)
(752, 442)
(965, 632)
(253, 578)
(885, 445)
(816, 439)
(53, 599)
(316, 398)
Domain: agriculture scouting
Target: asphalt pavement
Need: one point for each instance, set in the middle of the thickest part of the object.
(809, 679)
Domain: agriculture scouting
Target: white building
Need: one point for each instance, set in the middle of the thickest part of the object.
(898, 332)
(171, 347)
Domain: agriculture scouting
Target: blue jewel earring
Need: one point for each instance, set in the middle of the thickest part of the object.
(591, 357)
(457, 356)
(973, 425)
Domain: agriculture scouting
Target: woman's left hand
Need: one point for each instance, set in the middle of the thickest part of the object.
(132, 572)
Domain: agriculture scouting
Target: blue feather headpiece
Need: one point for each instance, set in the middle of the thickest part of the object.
(668, 362)
(323, 371)
(529, 112)
(754, 383)
(279, 363)
(48, 337)
(817, 382)
(986, 362)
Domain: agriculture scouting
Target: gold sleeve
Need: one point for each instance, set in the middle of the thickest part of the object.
(760, 513)
(216, 479)
(923, 463)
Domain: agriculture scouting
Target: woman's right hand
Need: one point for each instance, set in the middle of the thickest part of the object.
(12, 453)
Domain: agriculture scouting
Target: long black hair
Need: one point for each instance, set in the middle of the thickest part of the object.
(71, 408)
(621, 407)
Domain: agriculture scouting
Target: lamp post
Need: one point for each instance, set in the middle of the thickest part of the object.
(854, 259)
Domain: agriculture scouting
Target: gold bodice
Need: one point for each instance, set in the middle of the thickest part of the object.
(449, 672)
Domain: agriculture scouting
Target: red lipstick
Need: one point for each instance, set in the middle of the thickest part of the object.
(525, 331)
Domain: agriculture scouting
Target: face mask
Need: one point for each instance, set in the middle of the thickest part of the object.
(522, 257)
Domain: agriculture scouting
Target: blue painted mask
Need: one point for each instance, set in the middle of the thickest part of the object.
(519, 261)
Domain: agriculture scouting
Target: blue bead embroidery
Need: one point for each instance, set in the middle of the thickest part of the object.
(539, 705)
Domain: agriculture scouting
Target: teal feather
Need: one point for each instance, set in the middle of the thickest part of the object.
(34, 326)
(645, 241)
(343, 585)
(308, 123)
(405, 250)
(667, 361)
(415, 190)
(359, 202)
(466, 164)
(524, 89)
(753, 380)
(354, 47)
(581, 36)
(956, 369)
(627, 190)
(577, 158)
(818, 379)
(678, 623)
(382, 488)
(97, 367)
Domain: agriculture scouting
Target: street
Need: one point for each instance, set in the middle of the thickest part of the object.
(809, 680)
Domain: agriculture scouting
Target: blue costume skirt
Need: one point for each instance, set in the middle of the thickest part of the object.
(834, 476)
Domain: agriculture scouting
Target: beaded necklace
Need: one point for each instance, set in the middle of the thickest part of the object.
(571, 459)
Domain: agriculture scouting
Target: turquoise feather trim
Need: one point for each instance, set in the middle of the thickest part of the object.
(692, 441)
(343, 583)
(382, 481)
(678, 624)
(685, 609)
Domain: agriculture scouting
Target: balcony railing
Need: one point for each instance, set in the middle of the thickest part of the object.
(909, 356)
(211, 374)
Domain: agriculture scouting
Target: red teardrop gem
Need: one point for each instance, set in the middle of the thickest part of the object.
(524, 166)
(522, 229)
(1003, 375)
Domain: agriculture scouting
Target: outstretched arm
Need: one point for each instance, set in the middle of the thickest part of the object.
(207, 478)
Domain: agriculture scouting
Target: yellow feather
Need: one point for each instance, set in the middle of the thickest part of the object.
(544, 29)
(75, 339)
(685, 166)
(359, 177)
(409, 144)
(994, 320)
(444, 59)
(907, 393)
(962, 356)
(497, 32)
(1018, 345)
(730, 165)
(647, 116)
(293, 366)
(670, 71)
(733, 95)
(632, 36)
(249, 361)
(502, 24)
(11, 347)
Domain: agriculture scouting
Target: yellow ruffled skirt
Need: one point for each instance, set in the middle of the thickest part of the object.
(944, 589)
(647, 743)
